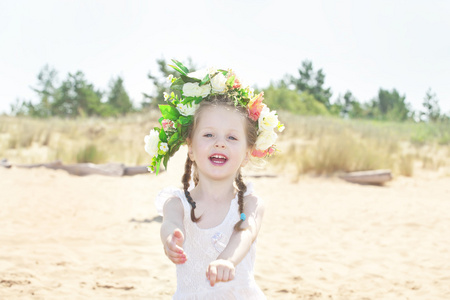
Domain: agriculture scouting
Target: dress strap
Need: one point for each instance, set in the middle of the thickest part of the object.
(250, 189)
(165, 194)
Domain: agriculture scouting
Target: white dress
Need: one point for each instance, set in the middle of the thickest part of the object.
(202, 246)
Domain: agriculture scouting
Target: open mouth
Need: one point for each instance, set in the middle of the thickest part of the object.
(218, 159)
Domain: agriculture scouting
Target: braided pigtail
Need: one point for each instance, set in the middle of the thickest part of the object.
(242, 188)
(195, 175)
(185, 180)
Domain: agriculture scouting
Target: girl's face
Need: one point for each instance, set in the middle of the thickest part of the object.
(219, 143)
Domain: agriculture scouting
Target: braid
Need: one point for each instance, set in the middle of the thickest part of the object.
(242, 188)
(185, 180)
(195, 176)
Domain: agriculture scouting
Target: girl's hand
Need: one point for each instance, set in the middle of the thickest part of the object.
(173, 247)
(220, 270)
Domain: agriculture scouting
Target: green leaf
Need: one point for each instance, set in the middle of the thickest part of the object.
(160, 120)
(169, 112)
(173, 139)
(185, 120)
(230, 81)
(198, 100)
(177, 85)
(205, 80)
(181, 66)
(177, 69)
(157, 166)
(224, 72)
(188, 100)
(175, 148)
(189, 79)
(166, 160)
(162, 136)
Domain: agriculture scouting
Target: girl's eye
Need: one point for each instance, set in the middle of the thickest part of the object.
(232, 138)
(208, 135)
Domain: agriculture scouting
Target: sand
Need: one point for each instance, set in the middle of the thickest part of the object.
(97, 237)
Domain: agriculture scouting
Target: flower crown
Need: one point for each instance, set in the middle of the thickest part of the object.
(189, 90)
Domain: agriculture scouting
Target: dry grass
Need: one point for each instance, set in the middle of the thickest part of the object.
(25, 140)
(310, 145)
(327, 146)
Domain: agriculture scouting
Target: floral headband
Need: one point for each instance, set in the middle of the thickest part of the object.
(189, 90)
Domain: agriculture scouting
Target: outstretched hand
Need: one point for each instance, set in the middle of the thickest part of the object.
(220, 270)
(173, 247)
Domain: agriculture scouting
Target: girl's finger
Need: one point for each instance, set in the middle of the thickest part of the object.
(212, 275)
(220, 275)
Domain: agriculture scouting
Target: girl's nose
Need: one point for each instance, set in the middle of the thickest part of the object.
(220, 144)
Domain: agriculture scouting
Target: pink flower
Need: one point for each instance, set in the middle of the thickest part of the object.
(271, 150)
(237, 84)
(255, 107)
(166, 124)
(259, 153)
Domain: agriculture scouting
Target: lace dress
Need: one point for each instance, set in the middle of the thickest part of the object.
(202, 246)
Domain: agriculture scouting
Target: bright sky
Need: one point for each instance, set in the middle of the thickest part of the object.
(360, 45)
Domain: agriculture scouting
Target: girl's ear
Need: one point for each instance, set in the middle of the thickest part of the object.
(246, 158)
(190, 150)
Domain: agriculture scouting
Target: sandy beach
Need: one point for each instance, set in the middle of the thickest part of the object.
(97, 237)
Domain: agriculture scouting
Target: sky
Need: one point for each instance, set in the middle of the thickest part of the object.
(361, 46)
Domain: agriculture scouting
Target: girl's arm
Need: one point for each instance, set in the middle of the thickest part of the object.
(172, 231)
(239, 244)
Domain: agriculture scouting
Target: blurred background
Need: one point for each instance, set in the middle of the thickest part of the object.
(360, 85)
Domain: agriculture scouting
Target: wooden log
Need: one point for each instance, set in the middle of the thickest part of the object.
(51, 165)
(374, 177)
(83, 169)
(89, 169)
(130, 171)
(4, 163)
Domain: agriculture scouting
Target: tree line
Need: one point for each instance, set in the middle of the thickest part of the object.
(74, 97)
(304, 93)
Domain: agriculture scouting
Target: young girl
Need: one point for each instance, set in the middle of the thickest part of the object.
(210, 227)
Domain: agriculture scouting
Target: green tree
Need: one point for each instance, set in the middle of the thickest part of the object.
(45, 89)
(432, 110)
(76, 97)
(20, 108)
(312, 82)
(282, 98)
(391, 106)
(350, 107)
(118, 100)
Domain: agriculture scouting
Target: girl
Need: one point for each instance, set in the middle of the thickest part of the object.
(209, 230)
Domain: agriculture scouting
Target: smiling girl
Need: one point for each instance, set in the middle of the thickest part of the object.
(210, 227)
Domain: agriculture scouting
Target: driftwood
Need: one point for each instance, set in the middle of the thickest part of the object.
(5, 164)
(375, 177)
(84, 169)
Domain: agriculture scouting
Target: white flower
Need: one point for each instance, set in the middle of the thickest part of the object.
(166, 96)
(151, 142)
(170, 78)
(268, 120)
(219, 83)
(280, 127)
(188, 109)
(265, 139)
(251, 92)
(164, 147)
(194, 90)
(199, 74)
